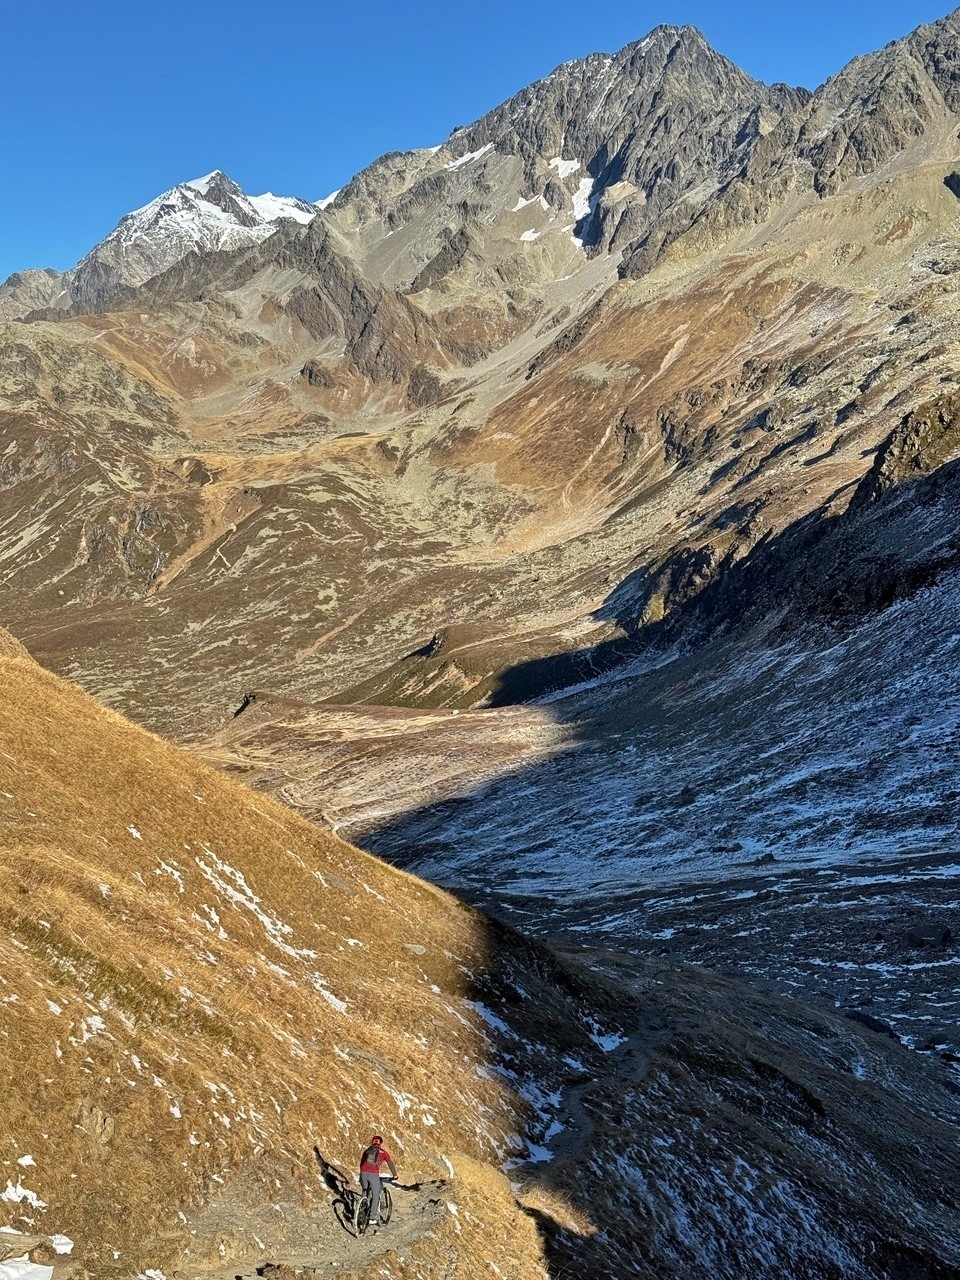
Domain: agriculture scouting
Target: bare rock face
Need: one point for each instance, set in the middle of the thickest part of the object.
(664, 138)
(881, 104)
(30, 290)
(877, 107)
(664, 119)
(614, 144)
(926, 438)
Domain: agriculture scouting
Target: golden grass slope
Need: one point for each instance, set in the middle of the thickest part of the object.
(196, 986)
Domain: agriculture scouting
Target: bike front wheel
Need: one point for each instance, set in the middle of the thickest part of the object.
(363, 1215)
(386, 1205)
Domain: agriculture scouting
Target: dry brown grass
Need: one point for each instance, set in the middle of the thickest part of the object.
(196, 983)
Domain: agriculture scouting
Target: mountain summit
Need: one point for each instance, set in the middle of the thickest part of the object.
(624, 154)
(202, 215)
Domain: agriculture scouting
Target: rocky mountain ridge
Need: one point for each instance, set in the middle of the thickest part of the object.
(665, 139)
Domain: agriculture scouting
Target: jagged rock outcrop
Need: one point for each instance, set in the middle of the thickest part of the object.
(31, 290)
(881, 104)
(927, 438)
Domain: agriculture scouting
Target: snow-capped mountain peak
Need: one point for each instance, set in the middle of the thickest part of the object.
(203, 184)
(202, 215)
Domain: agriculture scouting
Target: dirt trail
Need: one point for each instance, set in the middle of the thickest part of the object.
(626, 1064)
(322, 1245)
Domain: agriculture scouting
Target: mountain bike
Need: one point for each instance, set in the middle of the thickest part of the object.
(364, 1203)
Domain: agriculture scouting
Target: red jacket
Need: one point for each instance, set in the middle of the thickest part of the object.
(383, 1157)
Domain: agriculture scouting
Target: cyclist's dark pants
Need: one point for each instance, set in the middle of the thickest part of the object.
(371, 1183)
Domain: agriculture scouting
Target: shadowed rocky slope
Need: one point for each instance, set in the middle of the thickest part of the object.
(202, 987)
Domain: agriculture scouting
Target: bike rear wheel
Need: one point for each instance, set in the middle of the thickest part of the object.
(386, 1205)
(363, 1215)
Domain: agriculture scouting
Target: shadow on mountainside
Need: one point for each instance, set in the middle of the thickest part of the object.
(756, 803)
(794, 711)
(711, 1127)
(678, 1120)
(830, 569)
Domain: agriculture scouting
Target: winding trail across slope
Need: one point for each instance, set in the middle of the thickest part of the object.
(628, 1064)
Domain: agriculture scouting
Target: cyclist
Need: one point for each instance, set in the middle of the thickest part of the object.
(374, 1157)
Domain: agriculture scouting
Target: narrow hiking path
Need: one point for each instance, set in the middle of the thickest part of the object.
(320, 1243)
(314, 1243)
(626, 1064)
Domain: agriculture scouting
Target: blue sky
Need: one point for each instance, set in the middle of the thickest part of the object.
(106, 104)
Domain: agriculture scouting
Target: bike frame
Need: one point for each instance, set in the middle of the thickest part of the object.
(363, 1198)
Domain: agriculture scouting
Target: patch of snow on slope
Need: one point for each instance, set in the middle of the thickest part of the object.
(275, 208)
(202, 185)
(89, 1027)
(584, 203)
(23, 1269)
(471, 155)
(565, 167)
(489, 1017)
(581, 199)
(19, 1193)
(607, 1041)
(537, 1154)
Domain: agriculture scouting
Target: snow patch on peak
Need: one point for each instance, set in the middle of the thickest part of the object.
(565, 167)
(522, 203)
(471, 155)
(581, 198)
(204, 184)
(204, 214)
(275, 208)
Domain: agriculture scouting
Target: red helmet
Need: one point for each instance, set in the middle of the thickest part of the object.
(376, 1140)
